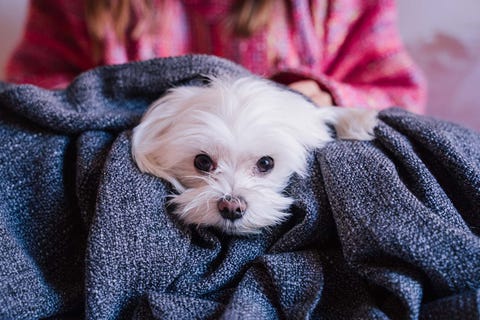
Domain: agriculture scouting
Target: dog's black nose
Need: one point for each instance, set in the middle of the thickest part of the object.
(231, 208)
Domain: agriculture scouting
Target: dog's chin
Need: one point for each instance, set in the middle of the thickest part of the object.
(198, 206)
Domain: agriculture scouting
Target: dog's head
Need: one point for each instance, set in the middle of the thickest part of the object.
(229, 150)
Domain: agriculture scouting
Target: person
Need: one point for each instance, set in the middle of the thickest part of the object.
(338, 52)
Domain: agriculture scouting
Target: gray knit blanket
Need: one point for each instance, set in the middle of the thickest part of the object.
(383, 229)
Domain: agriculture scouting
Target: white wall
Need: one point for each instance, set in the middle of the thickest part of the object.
(12, 17)
(443, 36)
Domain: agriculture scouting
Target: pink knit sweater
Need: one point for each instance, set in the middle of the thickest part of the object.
(350, 47)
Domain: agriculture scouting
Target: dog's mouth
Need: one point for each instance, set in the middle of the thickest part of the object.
(232, 217)
(237, 227)
(242, 226)
(229, 212)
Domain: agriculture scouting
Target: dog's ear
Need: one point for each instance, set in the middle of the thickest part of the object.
(153, 146)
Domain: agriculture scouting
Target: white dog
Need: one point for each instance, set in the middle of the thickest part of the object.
(230, 148)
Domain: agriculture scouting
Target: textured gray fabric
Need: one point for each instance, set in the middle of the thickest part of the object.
(381, 229)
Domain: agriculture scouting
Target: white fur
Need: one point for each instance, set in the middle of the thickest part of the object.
(236, 122)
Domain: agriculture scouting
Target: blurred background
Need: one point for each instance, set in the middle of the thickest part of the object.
(443, 37)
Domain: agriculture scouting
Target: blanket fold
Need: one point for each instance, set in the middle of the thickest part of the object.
(384, 229)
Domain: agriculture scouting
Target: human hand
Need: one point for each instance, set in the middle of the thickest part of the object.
(311, 89)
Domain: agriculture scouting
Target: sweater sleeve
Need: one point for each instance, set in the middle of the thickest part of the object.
(366, 64)
(54, 47)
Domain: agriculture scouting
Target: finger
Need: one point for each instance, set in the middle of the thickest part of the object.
(307, 87)
(322, 99)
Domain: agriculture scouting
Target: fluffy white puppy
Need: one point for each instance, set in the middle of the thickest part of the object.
(229, 148)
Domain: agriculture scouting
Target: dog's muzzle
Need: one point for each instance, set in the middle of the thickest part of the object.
(232, 208)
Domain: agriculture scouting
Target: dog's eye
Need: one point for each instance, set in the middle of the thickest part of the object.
(265, 164)
(203, 162)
